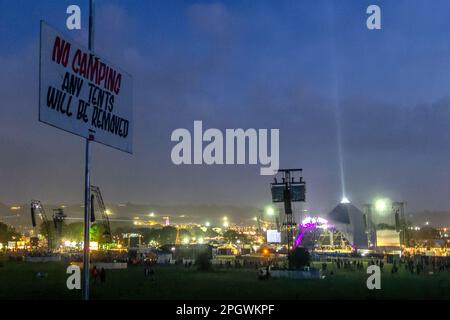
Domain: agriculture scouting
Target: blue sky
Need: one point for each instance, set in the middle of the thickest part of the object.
(261, 64)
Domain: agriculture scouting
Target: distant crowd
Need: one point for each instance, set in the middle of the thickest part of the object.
(101, 256)
(415, 264)
(418, 264)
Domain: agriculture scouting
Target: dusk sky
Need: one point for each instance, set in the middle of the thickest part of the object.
(292, 65)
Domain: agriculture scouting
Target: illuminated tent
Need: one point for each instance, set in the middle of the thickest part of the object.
(349, 220)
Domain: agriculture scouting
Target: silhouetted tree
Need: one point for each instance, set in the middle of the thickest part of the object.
(168, 235)
(203, 262)
(7, 233)
(299, 258)
(74, 231)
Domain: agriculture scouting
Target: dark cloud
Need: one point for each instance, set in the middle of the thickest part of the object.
(211, 18)
(212, 74)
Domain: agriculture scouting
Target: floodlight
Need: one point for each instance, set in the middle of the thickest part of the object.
(381, 205)
(270, 211)
(345, 200)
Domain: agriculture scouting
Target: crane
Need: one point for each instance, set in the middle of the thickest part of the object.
(36, 205)
(97, 195)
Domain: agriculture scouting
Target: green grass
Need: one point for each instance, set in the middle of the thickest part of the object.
(19, 281)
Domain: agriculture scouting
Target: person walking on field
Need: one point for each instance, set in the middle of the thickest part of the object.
(147, 268)
(102, 275)
(94, 273)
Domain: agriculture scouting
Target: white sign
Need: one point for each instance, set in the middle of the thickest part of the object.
(273, 236)
(82, 93)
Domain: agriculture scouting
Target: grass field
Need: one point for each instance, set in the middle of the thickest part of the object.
(19, 281)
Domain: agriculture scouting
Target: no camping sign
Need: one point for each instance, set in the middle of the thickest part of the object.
(82, 93)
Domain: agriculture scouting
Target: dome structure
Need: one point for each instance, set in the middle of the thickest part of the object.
(349, 220)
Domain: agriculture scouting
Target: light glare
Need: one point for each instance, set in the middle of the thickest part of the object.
(345, 200)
